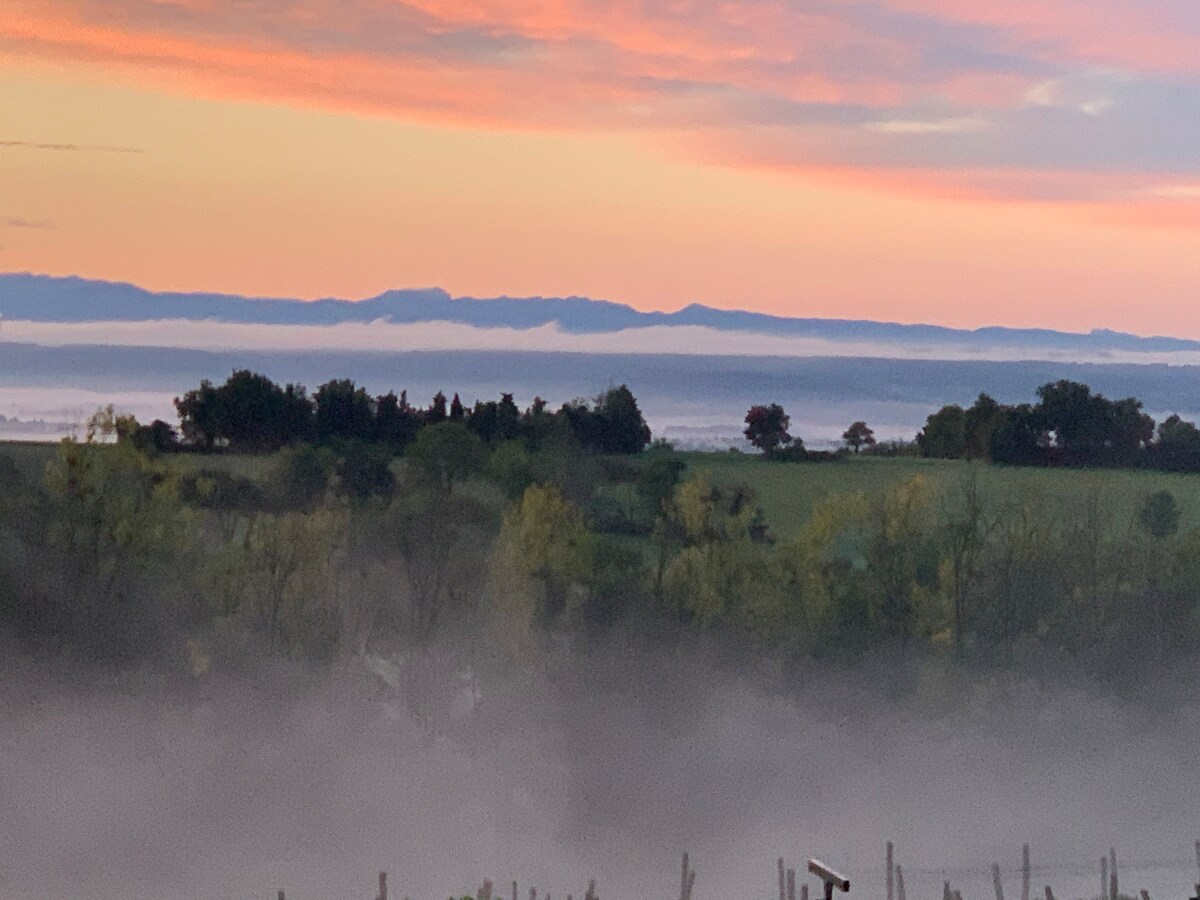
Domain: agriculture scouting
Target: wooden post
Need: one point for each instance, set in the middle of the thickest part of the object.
(382, 886)
(1113, 892)
(686, 880)
(804, 892)
(890, 874)
(485, 892)
(791, 884)
(533, 893)
(946, 894)
(591, 891)
(958, 895)
(281, 896)
(996, 881)
(1198, 865)
(1104, 878)
(1025, 872)
(1145, 895)
(1049, 893)
(514, 890)
(782, 881)
(899, 882)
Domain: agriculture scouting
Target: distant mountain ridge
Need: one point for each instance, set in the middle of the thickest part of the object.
(42, 298)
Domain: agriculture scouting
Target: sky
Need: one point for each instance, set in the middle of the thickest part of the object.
(1020, 163)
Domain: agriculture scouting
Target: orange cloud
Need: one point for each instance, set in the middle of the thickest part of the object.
(948, 98)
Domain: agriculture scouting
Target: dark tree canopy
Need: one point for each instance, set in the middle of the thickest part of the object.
(251, 413)
(613, 423)
(859, 435)
(767, 428)
(1070, 425)
(1177, 448)
(945, 434)
(344, 411)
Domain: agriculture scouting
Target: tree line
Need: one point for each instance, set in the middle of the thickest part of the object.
(118, 555)
(1069, 425)
(250, 413)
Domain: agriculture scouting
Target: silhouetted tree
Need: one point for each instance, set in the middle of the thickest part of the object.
(437, 410)
(344, 411)
(945, 434)
(508, 418)
(252, 412)
(1177, 448)
(396, 423)
(1020, 437)
(484, 420)
(767, 428)
(858, 435)
(157, 437)
(619, 424)
(197, 410)
(980, 423)
(299, 415)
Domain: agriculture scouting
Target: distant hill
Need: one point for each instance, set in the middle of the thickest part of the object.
(41, 298)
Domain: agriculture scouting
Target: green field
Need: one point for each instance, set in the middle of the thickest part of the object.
(787, 492)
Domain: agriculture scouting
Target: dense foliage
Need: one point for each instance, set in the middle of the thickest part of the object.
(1068, 426)
(117, 552)
(250, 413)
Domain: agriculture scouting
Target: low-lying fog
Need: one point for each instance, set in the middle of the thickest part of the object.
(601, 766)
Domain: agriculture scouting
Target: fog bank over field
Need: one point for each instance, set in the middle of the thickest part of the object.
(601, 764)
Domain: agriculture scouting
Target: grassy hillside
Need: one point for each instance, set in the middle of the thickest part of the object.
(787, 492)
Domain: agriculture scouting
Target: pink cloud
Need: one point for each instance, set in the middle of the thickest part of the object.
(829, 86)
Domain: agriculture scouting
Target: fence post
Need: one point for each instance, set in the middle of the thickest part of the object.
(1025, 872)
(996, 881)
(890, 874)
(899, 882)
(686, 879)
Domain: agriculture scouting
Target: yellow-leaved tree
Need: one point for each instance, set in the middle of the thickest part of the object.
(543, 559)
(721, 572)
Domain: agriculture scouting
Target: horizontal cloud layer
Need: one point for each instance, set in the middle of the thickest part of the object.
(386, 337)
(1087, 102)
